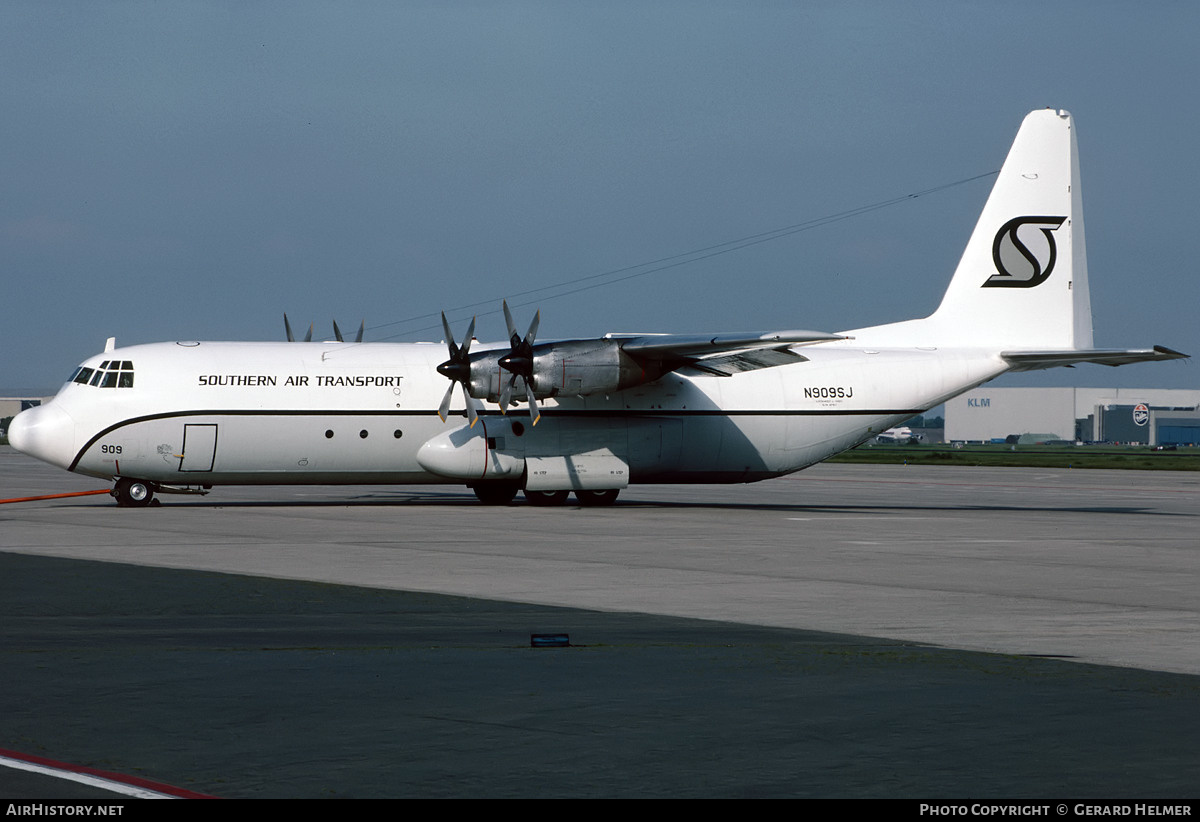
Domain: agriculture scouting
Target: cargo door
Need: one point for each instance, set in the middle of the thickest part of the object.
(199, 447)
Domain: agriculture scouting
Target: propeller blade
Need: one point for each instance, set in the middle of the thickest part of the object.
(337, 332)
(519, 363)
(472, 414)
(535, 413)
(457, 369)
(533, 327)
(466, 343)
(362, 326)
(513, 338)
(287, 326)
(449, 337)
(506, 394)
(445, 406)
(308, 336)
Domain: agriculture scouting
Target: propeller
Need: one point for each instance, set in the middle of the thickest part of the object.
(287, 326)
(337, 332)
(458, 370)
(519, 363)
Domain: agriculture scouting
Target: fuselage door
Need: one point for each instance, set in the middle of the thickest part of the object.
(199, 447)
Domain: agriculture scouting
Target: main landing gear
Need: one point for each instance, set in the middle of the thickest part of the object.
(587, 499)
(133, 493)
(503, 493)
(597, 498)
(496, 493)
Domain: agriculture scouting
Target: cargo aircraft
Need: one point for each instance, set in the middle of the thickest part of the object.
(589, 416)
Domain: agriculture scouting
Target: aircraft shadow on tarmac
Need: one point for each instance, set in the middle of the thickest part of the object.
(458, 498)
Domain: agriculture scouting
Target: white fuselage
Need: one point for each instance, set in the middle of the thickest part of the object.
(214, 413)
(178, 415)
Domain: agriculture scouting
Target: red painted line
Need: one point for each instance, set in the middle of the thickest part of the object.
(123, 779)
(55, 496)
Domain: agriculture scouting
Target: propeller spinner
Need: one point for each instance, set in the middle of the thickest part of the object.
(458, 370)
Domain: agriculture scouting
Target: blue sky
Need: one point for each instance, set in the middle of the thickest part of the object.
(193, 170)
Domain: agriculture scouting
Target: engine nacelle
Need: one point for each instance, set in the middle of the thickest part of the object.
(487, 452)
(571, 368)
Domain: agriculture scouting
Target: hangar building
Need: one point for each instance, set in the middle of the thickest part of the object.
(1153, 416)
(11, 406)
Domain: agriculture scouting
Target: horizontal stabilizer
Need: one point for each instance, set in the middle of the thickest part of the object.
(1036, 360)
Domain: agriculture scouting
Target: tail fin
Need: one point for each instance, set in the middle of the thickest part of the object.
(1021, 287)
(1022, 281)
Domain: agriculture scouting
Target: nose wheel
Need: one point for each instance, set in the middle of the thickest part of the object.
(133, 493)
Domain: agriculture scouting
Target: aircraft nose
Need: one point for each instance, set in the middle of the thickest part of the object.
(45, 432)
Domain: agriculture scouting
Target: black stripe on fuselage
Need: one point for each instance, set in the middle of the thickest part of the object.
(556, 412)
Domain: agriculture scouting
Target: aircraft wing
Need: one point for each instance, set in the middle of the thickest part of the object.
(1035, 360)
(726, 365)
(720, 355)
(671, 346)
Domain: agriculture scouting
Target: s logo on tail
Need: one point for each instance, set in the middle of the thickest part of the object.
(1027, 260)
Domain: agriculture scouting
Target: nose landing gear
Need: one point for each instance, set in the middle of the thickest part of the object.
(133, 493)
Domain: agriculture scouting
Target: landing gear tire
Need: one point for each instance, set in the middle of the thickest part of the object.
(596, 498)
(495, 493)
(132, 493)
(546, 498)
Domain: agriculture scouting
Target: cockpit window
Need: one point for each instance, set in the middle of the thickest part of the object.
(110, 374)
